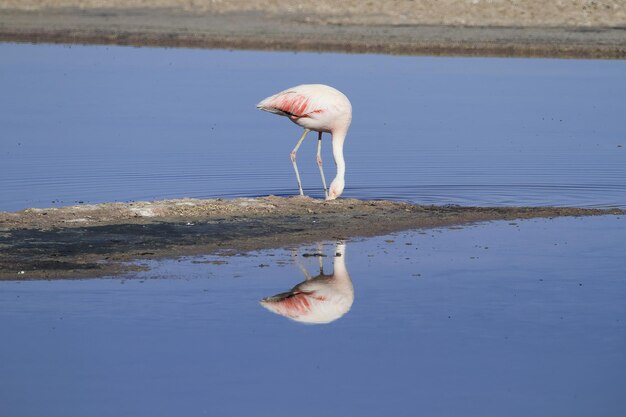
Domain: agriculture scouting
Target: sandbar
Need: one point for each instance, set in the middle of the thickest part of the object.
(100, 239)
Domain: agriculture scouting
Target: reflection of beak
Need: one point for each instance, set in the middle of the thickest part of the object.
(277, 297)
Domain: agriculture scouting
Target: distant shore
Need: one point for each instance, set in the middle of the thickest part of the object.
(461, 31)
(95, 240)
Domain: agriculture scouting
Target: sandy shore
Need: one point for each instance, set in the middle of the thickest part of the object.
(93, 240)
(567, 28)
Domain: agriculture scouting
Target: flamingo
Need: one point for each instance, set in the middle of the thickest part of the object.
(317, 300)
(320, 108)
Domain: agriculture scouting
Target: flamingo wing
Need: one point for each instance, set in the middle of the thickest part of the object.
(291, 103)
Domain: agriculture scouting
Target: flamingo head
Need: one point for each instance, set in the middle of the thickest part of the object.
(336, 188)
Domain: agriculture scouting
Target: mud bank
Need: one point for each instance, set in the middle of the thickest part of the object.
(96, 240)
(355, 30)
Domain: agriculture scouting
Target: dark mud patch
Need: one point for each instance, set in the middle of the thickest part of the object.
(99, 240)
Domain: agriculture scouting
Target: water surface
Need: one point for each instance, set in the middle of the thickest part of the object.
(100, 123)
(501, 319)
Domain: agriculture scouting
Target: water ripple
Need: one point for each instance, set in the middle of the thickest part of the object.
(161, 134)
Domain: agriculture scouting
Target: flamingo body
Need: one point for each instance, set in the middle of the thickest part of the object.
(320, 108)
(315, 107)
(318, 300)
(322, 299)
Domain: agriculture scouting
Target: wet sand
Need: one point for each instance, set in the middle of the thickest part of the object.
(531, 28)
(96, 240)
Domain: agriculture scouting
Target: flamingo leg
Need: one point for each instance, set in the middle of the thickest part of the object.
(296, 260)
(320, 250)
(319, 163)
(293, 159)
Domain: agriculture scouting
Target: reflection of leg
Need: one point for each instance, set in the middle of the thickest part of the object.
(293, 159)
(319, 163)
(296, 260)
(307, 276)
(320, 251)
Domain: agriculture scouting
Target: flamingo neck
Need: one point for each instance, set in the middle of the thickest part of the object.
(338, 139)
(340, 272)
(339, 263)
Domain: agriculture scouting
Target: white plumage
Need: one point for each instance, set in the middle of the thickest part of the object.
(322, 109)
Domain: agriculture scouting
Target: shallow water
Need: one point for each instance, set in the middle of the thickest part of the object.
(94, 123)
(500, 319)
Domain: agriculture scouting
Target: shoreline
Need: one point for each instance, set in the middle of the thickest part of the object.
(257, 30)
(99, 240)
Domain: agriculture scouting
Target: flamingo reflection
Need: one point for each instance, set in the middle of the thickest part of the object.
(320, 299)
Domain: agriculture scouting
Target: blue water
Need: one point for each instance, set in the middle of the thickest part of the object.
(501, 319)
(98, 123)
(522, 318)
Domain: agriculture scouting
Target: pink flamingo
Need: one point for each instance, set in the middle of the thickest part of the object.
(321, 299)
(320, 108)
